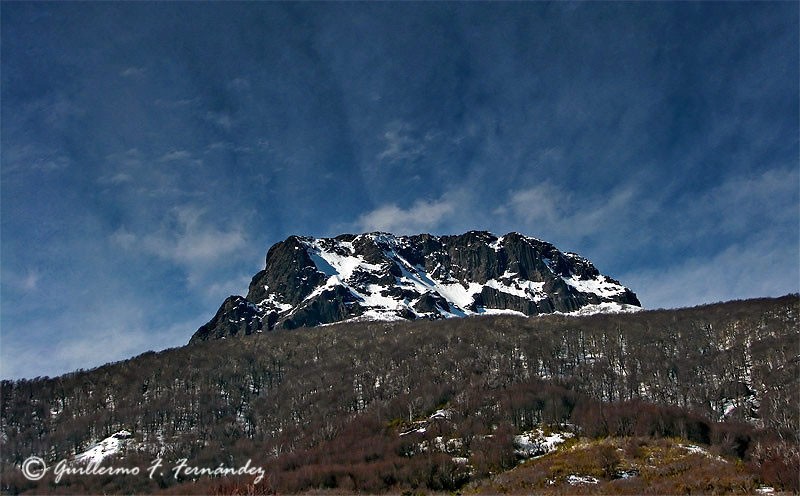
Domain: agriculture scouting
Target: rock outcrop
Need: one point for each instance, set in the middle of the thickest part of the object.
(379, 276)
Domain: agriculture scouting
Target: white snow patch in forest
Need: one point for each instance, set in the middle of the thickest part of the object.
(419, 430)
(536, 443)
(105, 448)
(581, 479)
(728, 407)
(698, 450)
(441, 414)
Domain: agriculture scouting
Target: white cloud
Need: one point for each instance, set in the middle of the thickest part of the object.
(422, 216)
(748, 224)
(109, 316)
(148, 175)
(178, 103)
(186, 239)
(543, 203)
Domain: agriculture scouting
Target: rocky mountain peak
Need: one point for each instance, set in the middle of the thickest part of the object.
(379, 276)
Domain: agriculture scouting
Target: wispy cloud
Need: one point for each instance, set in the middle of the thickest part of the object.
(744, 204)
(150, 174)
(186, 239)
(130, 72)
(29, 158)
(421, 216)
(239, 84)
(221, 119)
(178, 103)
(400, 144)
(556, 213)
(115, 179)
(230, 286)
(761, 267)
(26, 282)
(175, 156)
(741, 235)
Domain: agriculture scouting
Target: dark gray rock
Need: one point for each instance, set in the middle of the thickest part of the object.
(431, 302)
(492, 298)
(331, 305)
(236, 316)
(290, 273)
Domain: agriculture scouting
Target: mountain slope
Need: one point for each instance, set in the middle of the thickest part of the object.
(361, 401)
(379, 276)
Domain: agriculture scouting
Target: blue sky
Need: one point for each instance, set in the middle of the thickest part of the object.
(152, 152)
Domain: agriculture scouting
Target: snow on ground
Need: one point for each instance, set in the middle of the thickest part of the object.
(606, 307)
(457, 293)
(499, 311)
(694, 449)
(441, 414)
(439, 443)
(581, 479)
(536, 443)
(600, 286)
(105, 448)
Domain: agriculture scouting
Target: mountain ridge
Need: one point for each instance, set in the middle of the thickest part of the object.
(311, 281)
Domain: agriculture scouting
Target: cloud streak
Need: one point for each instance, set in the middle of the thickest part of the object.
(186, 239)
(421, 216)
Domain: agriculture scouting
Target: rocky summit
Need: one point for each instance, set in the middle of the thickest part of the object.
(380, 276)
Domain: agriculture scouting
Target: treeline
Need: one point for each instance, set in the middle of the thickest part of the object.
(276, 394)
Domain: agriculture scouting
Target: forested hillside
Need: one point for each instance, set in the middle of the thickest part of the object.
(308, 403)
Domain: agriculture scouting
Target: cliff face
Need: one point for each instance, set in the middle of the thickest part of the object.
(379, 276)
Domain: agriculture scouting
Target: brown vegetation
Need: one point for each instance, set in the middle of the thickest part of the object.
(323, 408)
